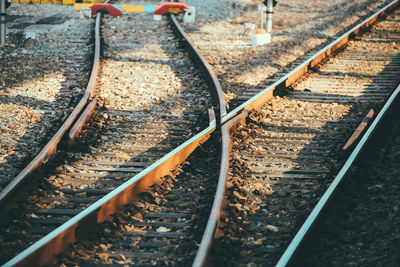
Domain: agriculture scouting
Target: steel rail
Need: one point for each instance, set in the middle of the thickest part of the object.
(206, 242)
(80, 123)
(43, 250)
(209, 75)
(240, 113)
(304, 232)
(53, 243)
(50, 149)
(284, 82)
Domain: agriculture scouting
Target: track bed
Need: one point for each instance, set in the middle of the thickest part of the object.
(164, 226)
(291, 149)
(153, 99)
(361, 228)
(41, 80)
(300, 29)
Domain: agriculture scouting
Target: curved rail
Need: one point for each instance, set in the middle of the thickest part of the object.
(53, 243)
(51, 147)
(209, 75)
(206, 241)
(240, 113)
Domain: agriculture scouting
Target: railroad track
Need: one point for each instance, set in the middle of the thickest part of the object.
(153, 100)
(360, 228)
(40, 85)
(244, 70)
(163, 226)
(290, 149)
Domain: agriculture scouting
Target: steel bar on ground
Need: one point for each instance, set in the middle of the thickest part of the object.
(295, 245)
(209, 75)
(53, 243)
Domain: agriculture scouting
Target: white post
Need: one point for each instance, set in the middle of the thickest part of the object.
(2, 22)
(268, 26)
(190, 15)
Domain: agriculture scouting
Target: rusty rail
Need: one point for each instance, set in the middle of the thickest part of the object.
(296, 245)
(284, 82)
(209, 75)
(261, 98)
(53, 243)
(43, 250)
(80, 123)
(353, 138)
(213, 220)
(50, 148)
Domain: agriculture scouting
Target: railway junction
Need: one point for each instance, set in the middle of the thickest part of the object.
(203, 133)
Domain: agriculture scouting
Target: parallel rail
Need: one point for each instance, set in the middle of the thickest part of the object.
(286, 81)
(50, 149)
(296, 245)
(53, 243)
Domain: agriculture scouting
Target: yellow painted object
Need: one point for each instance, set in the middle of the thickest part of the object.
(78, 6)
(131, 8)
(92, 1)
(174, 10)
(57, 2)
(68, 2)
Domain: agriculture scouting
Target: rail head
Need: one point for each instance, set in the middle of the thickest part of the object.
(43, 250)
(216, 209)
(288, 79)
(295, 245)
(50, 149)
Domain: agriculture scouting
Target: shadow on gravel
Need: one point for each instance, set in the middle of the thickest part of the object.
(175, 137)
(271, 56)
(29, 142)
(22, 63)
(384, 80)
(285, 201)
(146, 131)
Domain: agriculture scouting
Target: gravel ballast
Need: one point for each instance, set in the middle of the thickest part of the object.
(41, 78)
(362, 226)
(300, 28)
